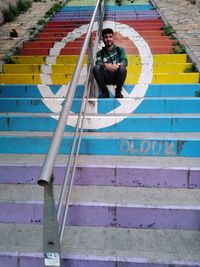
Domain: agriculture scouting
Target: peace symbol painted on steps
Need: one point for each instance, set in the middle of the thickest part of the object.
(137, 93)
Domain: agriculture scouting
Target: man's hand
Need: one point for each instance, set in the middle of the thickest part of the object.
(111, 67)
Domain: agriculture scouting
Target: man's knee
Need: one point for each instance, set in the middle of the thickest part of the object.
(122, 70)
(96, 69)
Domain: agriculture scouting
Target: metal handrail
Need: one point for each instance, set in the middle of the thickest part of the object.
(49, 162)
(52, 232)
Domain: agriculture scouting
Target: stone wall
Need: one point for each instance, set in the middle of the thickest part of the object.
(4, 4)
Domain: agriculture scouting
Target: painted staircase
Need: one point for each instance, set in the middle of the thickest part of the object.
(136, 198)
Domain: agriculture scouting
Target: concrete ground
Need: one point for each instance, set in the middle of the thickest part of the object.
(185, 19)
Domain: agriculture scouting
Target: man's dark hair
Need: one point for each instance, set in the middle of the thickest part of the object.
(106, 31)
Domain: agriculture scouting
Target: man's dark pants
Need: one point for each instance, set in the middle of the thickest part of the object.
(104, 77)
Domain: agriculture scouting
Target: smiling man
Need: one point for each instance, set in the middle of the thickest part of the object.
(111, 63)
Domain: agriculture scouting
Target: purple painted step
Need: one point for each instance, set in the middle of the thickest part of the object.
(36, 260)
(128, 214)
(32, 213)
(136, 176)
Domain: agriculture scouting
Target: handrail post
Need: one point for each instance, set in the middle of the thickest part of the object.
(51, 240)
(90, 63)
(101, 17)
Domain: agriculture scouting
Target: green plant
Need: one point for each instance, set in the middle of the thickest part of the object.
(32, 30)
(41, 21)
(13, 9)
(12, 12)
(180, 49)
(176, 43)
(54, 8)
(193, 2)
(193, 68)
(9, 13)
(9, 60)
(168, 30)
(23, 5)
(197, 93)
(118, 2)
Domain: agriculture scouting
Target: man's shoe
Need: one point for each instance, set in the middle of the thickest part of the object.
(118, 95)
(104, 95)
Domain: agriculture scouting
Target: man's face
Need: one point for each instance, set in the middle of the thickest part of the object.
(108, 39)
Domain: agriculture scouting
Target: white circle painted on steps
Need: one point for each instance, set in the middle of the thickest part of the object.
(125, 107)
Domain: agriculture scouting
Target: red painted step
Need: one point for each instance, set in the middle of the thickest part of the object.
(131, 22)
(125, 42)
(73, 23)
(76, 51)
(59, 34)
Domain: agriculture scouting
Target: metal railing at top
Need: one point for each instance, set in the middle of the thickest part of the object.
(55, 218)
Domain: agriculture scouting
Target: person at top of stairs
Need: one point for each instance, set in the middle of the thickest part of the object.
(110, 66)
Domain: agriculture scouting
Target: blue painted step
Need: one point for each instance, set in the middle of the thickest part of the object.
(118, 144)
(143, 123)
(154, 90)
(108, 8)
(148, 105)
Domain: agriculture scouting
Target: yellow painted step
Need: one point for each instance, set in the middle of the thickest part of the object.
(164, 78)
(133, 59)
(38, 68)
(69, 68)
(42, 60)
(185, 78)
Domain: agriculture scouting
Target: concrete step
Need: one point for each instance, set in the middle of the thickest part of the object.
(126, 144)
(107, 206)
(96, 246)
(103, 123)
